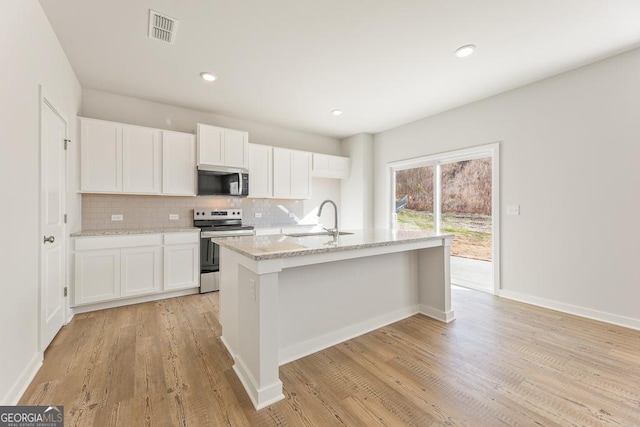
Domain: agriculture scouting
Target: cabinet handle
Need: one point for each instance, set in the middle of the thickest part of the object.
(49, 239)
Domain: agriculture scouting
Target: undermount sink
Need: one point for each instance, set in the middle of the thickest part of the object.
(316, 233)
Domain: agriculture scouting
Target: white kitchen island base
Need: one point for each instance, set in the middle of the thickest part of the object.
(283, 298)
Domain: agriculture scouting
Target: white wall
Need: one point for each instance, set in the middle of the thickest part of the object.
(31, 56)
(109, 106)
(570, 157)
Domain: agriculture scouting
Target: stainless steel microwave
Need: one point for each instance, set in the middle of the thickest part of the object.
(223, 183)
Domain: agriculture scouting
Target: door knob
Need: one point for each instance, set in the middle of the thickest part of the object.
(49, 239)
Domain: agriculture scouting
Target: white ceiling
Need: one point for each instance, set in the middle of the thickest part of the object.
(290, 62)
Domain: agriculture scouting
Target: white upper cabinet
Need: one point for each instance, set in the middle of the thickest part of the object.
(120, 158)
(260, 171)
(327, 166)
(210, 145)
(141, 160)
(236, 149)
(222, 147)
(291, 174)
(178, 164)
(100, 156)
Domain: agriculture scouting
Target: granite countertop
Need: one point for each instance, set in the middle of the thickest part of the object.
(97, 233)
(281, 246)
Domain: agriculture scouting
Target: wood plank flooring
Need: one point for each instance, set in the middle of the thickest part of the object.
(500, 363)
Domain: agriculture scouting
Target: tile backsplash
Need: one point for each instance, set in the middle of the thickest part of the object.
(153, 211)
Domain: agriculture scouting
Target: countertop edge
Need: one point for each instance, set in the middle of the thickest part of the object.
(313, 251)
(99, 233)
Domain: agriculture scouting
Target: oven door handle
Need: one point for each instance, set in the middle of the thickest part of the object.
(230, 234)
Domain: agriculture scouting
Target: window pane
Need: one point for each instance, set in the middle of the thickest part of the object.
(466, 207)
(414, 198)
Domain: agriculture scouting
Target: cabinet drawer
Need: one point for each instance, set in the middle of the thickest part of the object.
(117, 242)
(181, 238)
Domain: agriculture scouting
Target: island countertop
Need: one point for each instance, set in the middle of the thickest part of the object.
(261, 248)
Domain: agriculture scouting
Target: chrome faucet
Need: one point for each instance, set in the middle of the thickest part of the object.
(333, 231)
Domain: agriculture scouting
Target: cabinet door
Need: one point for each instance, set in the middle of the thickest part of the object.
(327, 166)
(97, 276)
(141, 270)
(282, 173)
(181, 266)
(301, 175)
(211, 145)
(291, 174)
(260, 171)
(141, 160)
(178, 164)
(101, 156)
(236, 149)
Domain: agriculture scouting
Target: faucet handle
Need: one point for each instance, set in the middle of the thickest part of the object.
(332, 231)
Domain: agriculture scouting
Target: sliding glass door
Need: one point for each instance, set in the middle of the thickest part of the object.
(453, 193)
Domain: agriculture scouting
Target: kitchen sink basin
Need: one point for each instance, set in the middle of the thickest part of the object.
(316, 233)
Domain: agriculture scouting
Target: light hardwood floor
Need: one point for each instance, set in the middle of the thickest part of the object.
(499, 363)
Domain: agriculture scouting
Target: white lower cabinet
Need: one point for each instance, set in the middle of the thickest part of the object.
(97, 276)
(141, 271)
(109, 268)
(181, 261)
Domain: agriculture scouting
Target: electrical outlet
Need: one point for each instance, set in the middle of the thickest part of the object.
(513, 210)
(117, 217)
(292, 215)
(174, 217)
(252, 289)
(257, 215)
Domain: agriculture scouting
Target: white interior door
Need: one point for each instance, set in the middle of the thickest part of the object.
(52, 241)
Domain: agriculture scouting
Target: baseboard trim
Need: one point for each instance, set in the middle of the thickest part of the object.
(299, 350)
(588, 313)
(226, 346)
(261, 398)
(21, 384)
(133, 300)
(443, 316)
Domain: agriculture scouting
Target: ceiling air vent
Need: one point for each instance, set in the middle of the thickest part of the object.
(162, 27)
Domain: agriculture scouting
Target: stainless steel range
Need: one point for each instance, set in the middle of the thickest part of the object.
(216, 223)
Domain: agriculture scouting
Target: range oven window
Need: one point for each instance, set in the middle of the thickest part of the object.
(209, 256)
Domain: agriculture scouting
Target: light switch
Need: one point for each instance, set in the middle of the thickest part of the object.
(513, 210)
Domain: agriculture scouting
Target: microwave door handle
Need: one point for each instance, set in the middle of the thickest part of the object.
(240, 184)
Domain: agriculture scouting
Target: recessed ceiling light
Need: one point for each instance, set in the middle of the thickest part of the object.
(336, 112)
(465, 50)
(208, 76)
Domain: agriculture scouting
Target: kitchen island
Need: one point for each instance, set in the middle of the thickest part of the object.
(283, 297)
